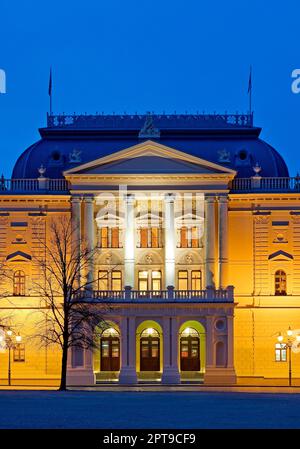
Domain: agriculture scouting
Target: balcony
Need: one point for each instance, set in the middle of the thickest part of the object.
(35, 186)
(209, 295)
(258, 184)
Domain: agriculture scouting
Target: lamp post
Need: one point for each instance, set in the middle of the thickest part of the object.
(10, 344)
(289, 344)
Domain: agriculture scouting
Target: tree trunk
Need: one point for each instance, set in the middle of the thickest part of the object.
(63, 376)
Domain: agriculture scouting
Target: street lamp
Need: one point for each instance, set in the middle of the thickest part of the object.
(10, 344)
(289, 344)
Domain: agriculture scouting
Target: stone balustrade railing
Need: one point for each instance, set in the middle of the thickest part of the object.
(170, 295)
(260, 184)
(37, 185)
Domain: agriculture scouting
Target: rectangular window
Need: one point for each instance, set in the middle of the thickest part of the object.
(19, 353)
(103, 280)
(116, 280)
(183, 237)
(195, 239)
(196, 280)
(144, 237)
(280, 352)
(143, 280)
(115, 238)
(182, 280)
(104, 237)
(154, 237)
(156, 280)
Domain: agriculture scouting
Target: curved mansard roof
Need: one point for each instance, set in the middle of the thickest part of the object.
(228, 140)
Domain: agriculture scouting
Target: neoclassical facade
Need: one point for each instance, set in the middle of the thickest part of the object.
(196, 228)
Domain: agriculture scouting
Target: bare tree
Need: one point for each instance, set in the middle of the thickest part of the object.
(69, 312)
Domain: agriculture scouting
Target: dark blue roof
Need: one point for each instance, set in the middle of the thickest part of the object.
(69, 141)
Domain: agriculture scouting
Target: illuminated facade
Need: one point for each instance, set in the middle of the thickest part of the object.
(197, 228)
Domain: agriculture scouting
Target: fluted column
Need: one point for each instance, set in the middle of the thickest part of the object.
(129, 242)
(223, 241)
(169, 241)
(88, 233)
(210, 229)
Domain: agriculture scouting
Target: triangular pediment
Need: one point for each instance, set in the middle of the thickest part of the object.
(281, 255)
(149, 157)
(18, 256)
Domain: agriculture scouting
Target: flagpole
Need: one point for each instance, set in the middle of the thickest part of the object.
(50, 90)
(250, 91)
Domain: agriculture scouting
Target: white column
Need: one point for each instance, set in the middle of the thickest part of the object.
(76, 222)
(129, 242)
(210, 229)
(169, 241)
(128, 351)
(223, 241)
(88, 233)
(171, 373)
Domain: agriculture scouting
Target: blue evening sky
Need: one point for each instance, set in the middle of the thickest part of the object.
(156, 55)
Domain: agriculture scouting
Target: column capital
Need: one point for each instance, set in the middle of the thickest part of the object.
(170, 197)
(76, 199)
(129, 198)
(210, 198)
(223, 199)
(88, 198)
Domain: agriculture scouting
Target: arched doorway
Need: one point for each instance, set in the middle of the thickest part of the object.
(110, 350)
(150, 350)
(190, 350)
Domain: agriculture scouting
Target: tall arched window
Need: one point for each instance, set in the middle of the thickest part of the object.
(280, 283)
(19, 283)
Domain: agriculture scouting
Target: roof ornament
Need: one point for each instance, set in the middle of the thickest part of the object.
(257, 169)
(224, 155)
(75, 156)
(148, 129)
(42, 171)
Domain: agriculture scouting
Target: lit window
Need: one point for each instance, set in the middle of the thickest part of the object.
(102, 280)
(104, 237)
(19, 283)
(19, 353)
(280, 352)
(154, 238)
(196, 280)
(115, 238)
(280, 283)
(195, 238)
(183, 237)
(182, 280)
(144, 237)
(143, 280)
(156, 280)
(116, 280)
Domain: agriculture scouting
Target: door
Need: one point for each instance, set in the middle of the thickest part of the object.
(190, 353)
(150, 353)
(110, 353)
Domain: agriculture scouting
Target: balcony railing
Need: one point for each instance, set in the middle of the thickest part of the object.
(259, 184)
(170, 295)
(38, 185)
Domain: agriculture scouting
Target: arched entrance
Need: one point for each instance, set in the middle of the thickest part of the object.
(149, 350)
(190, 350)
(107, 352)
(110, 350)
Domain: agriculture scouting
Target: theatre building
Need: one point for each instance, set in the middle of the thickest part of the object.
(196, 228)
